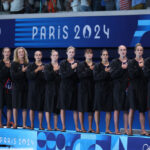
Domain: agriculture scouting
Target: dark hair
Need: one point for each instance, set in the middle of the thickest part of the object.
(37, 51)
(120, 46)
(3, 51)
(88, 50)
(103, 50)
(5, 48)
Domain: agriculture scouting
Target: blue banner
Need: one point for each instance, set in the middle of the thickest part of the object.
(72, 141)
(7, 33)
(138, 143)
(18, 139)
(95, 31)
(21, 139)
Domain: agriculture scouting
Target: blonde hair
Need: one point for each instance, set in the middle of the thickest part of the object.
(138, 44)
(15, 57)
(70, 47)
(52, 51)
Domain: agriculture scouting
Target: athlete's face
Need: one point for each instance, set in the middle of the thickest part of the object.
(6, 53)
(54, 56)
(71, 53)
(38, 55)
(122, 51)
(139, 51)
(21, 53)
(88, 55)
(104, 56)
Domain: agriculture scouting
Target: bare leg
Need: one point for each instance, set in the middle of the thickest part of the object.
(55, 122)
(142, 122)
(40, 115)
(1, 126)
(32, 119)
(15, 115)
(62, 115)
(48, 116)
(90, 119)
(24, 116)
(131, 116)
(81, 118)
(75, 117)
(116, 121)
(125, 115)
(8, 117)
(108, 118)
(97, 120)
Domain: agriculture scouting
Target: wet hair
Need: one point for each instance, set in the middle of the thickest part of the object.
(103, 50)
(38, 51)
(88, 50)
(120, 46)
(70, 47)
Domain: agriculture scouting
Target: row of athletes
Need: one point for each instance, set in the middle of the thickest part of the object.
(78, 86)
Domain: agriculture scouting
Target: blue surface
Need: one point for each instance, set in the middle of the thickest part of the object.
(70, 122)
(55, 140)
(12, 138)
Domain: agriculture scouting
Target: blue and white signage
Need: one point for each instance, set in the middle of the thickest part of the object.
(95, 31)
(18, 139)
